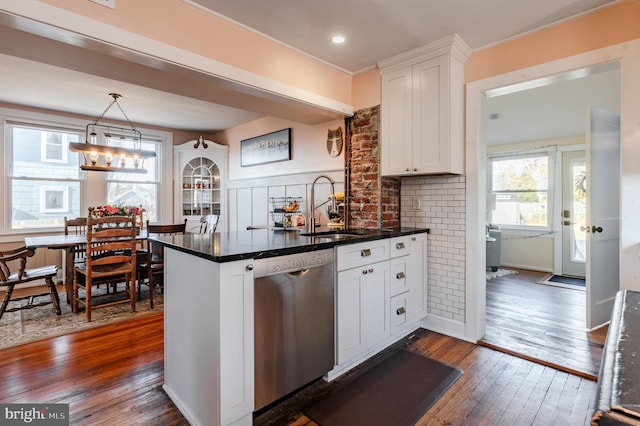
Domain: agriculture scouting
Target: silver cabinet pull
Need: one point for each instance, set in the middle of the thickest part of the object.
(400, 275)
(399, 246)
(365, 252)
(400, 310)
(249, 267)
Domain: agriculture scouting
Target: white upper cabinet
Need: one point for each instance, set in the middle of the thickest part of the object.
(422, 127)
(200, 181)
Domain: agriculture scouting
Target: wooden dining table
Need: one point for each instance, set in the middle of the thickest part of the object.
(68, 243)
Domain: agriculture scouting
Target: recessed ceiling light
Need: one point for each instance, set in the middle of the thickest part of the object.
(338, 39)
(495, 116)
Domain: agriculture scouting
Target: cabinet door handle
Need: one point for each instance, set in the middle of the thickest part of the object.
(365, 253)
(415, 169)
(364, 272)
(407, 169)
(371, 270)
(249, 267)
(400, 310)
(400, 275)
(399, 246)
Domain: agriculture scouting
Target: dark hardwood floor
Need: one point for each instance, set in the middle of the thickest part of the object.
(542, 323)
(112, 375)
(109, 375)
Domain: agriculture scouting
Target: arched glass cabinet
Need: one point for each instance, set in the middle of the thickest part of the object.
(200, 182)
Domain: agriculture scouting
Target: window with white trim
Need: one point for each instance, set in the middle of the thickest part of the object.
(520, 190)
(54, 147)
(137, 189)
(44, 182)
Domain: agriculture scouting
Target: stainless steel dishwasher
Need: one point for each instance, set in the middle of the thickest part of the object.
(294, 325)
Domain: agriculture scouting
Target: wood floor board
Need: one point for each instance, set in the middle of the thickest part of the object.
(495, 394)
(521, 396)
(466, 394)
(536, 399)
(583, 405)
(542, 322)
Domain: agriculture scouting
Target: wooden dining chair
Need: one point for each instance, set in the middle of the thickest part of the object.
(9, 280)
(153, 268)
(111, 258)
(77, 226)
(209, 223)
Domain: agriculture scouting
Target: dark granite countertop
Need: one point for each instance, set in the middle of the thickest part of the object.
(264, 243)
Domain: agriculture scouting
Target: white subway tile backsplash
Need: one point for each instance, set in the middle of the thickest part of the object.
(442, 201)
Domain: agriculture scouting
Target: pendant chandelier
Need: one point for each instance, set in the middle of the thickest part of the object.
(106, 158)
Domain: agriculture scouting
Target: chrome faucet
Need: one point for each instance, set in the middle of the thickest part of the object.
(312, 222)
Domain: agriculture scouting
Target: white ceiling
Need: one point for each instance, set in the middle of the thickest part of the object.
(55, 73)
(553, 107)
(380, 29)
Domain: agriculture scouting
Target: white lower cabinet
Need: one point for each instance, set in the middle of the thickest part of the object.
(362, 309)
(381, 295)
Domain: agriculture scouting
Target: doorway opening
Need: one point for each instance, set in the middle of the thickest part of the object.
(542, 130)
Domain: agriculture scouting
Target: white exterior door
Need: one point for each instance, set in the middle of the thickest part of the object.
(603, 215)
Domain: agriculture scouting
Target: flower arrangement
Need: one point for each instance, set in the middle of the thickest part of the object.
(115, 210)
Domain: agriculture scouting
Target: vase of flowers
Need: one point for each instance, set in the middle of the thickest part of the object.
(118, 210)
(115, 210)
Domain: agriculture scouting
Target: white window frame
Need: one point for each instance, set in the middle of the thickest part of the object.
(551, 167)
(146, 138)
(44, 143)
(44, 192)
(43, 122)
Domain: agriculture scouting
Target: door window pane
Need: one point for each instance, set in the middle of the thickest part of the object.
(578, 251)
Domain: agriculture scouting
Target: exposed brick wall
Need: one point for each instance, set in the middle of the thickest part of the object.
(374, 202)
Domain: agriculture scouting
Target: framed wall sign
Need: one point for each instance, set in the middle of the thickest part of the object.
(269, 148)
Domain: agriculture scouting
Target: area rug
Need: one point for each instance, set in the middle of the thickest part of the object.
(564, 282)
(499, 273)
(396, 391)
(30, 325)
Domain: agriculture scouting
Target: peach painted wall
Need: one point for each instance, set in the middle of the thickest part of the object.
(604, 27)
(366, 89)
(182, 25)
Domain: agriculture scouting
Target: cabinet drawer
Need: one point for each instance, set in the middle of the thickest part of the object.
(398, 279)
(399, 316)
(399, 246)
(354, 255)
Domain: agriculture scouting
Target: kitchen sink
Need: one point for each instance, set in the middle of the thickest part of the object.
(334, 235)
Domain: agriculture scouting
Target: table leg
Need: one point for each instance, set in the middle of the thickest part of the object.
(68, 280)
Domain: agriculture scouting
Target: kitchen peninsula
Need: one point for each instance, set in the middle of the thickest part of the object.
(377, 282)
